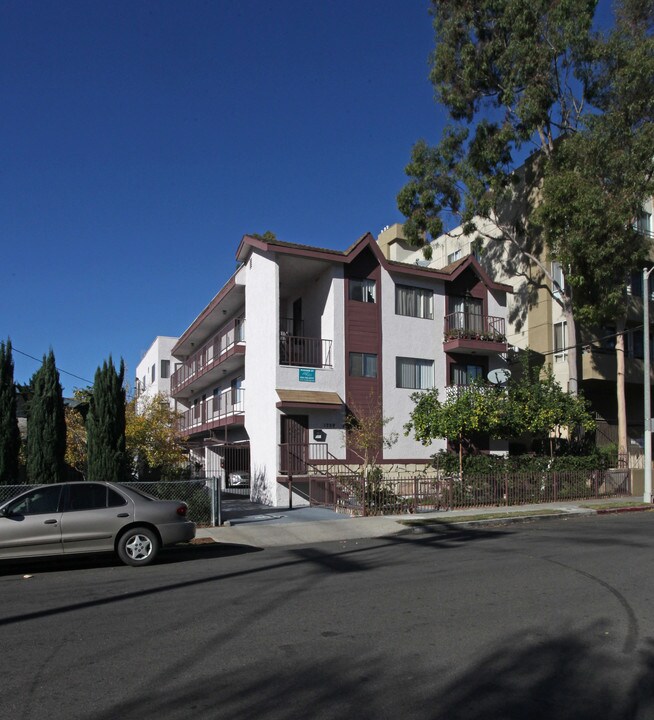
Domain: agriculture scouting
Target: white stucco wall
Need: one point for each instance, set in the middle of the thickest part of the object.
(159, 350)
(404, 336)
(323, 311)
(261, 358)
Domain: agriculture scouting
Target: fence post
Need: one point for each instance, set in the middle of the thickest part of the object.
(363, 487)
(290, 490)
(219, 500)
(415, 492)
(212, 495)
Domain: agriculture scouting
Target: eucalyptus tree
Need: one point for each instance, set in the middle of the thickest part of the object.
(510, 76)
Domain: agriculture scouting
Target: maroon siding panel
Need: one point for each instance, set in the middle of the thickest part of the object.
(362, 334)
(467, 283)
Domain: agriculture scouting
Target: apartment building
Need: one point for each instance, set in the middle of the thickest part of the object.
(155, 368)
(536, 321)
(299, 337)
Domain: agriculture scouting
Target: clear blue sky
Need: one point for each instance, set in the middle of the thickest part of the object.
(141, 140)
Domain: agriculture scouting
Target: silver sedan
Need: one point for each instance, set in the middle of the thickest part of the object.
(88, 517)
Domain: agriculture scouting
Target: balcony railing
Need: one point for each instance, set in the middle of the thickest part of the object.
(209, 355)
(468, 326)
(218, 410)
(301, 458)
(304, 351)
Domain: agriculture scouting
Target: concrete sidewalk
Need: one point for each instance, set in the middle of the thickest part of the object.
(275, 527)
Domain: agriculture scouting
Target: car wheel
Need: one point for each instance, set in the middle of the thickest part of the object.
(138, 546)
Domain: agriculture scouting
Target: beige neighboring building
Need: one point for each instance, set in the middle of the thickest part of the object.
(535, 321)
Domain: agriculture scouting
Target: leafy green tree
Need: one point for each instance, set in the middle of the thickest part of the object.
(76, 452)
(538, 405)
(509, 74)
(532, 402)
(9, 433)
(46, 426)
(268, 236)
(465, 412)
(105, 425)
(595, 186)
(153, 439)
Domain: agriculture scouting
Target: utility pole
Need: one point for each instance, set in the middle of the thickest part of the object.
(647, 495)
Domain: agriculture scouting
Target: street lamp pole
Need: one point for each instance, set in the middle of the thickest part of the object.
(647, 496)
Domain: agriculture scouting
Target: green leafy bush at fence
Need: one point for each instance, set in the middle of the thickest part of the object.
(381, 500)
(598, 459)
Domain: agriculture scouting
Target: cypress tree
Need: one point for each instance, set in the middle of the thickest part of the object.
(105, 425)
(46, 426)
(9, 434)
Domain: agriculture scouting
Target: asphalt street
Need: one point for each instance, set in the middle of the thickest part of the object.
(541, 620)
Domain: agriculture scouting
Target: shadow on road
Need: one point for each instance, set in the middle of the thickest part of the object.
(563, 676)
(176, 554)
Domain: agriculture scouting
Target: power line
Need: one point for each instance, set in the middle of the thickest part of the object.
(65, 372)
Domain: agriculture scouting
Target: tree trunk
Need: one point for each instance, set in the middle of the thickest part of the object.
(460, 457)
(573, 383)
(620, 388)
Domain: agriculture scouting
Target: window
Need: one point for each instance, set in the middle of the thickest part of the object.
(414, 302)
(465, 374)
(153, 372)
(635, 285)
(560, 341)
(466, 314)
(363, 291)
(557, 276)
(414, 373)
(363, 365)
(607, 338)
(92, 496)
(452, 257)
(644, 224)
(38, 502)
(165, 369)
(635, 347)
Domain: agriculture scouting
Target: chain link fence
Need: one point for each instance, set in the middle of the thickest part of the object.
(195, 493)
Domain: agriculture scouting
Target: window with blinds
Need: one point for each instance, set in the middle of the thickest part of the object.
(414, 302)
(414, 373)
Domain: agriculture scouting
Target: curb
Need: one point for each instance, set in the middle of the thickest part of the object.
(444, 525)
(524, 518)
(615, 511)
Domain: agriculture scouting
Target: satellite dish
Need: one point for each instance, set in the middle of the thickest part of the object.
(499, 376)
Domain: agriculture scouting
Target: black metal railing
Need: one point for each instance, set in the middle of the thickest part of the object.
(304, 351)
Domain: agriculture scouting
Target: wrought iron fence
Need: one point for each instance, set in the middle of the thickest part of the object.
(396, 495)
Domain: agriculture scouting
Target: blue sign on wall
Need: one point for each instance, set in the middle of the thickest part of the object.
(307, 375)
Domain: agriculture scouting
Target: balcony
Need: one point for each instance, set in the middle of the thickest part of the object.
(217, 411)
(304, 351)
(220, 353)
(473, 334)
